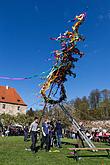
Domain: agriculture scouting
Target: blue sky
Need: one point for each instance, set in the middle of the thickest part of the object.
(25, 29)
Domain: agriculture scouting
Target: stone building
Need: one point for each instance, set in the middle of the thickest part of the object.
(11, 102)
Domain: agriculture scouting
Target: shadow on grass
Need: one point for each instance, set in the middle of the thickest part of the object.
(90, 156)
(69, 143)
(37, 149)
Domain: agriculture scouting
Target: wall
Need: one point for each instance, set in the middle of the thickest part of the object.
(12, 109)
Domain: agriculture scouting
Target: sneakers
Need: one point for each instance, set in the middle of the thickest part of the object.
(56, 151)
(27, 149)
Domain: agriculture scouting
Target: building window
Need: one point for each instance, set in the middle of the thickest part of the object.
(18, 108)
(3, 106)
(3, 98)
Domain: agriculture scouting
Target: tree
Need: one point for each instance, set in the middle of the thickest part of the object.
(82, 106)
(105, 94)
(94, 99)
(57, 113)
(30, 112)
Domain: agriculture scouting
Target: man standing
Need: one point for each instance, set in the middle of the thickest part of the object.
(26, 133)
(45, 135)
(58, 130)
(33, 131)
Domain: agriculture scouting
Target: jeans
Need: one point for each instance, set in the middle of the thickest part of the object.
(34, 140)
(46, 140)
(25, 136)
(59, 140)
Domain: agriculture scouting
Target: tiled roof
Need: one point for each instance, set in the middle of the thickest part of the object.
(10, 95)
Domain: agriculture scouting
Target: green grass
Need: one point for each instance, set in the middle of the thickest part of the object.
(12, 152)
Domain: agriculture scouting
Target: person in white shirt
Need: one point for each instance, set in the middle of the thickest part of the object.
(33, 130)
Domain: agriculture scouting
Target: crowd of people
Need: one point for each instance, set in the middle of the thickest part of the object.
(11, 130)
(94, 134)
(51, 134)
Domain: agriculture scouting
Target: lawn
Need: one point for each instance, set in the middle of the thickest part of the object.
(12, 152)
